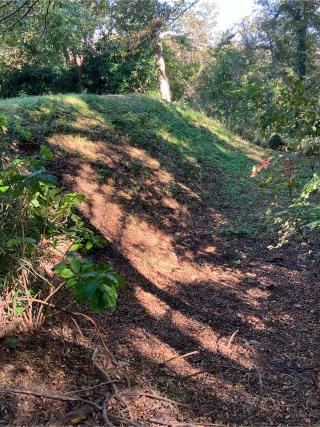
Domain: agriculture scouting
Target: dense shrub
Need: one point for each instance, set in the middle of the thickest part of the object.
(112, 69)
(39, 223)
(32, 80)
(107, 69)
(256, 102)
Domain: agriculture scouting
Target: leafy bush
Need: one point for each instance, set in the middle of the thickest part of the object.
(38, 221)
(107, 69)
(255, 101)
(32, 80)
(295, 189)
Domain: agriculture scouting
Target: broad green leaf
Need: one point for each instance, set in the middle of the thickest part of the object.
(46, 153)
(76, 265)
(85, 290)
(59, 267)
(116, 279)
(89, 245)
(71, 282)
(66, 273)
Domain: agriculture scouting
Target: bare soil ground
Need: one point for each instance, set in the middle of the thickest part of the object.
(249, 318)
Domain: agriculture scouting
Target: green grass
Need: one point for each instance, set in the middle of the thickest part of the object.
(214, 163)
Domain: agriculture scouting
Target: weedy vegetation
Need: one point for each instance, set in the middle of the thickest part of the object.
(39, 223)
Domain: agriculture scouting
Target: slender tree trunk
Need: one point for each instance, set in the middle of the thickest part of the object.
(300, 18)
(302, 50)
(75, 60)
(164, 85)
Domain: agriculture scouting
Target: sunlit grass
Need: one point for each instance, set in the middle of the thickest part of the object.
(184, 142)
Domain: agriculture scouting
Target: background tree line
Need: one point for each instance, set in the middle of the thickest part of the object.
(260, 77)
(97, 46)
(263, 75)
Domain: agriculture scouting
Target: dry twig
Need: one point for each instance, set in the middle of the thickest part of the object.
(231, 338)
(82, 390)
(104, 373)
(183, 356)
(125, 420)
(52, 396)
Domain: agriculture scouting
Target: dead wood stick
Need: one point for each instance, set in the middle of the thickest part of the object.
(27, 314)
(125, 420)
(153, 396)
(183, 356)
(114, 360)
(78, 327)
(231, 338)
(105, 416)
(105, 373)
(112, 383)
(63, 420)
(81, 390)
(52, 396)
(105, 402)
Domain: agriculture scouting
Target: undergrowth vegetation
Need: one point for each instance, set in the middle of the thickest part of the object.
(44, 243)
(294, 183)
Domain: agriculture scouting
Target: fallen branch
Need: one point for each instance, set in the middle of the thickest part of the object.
(78, 327)
(114, 388)
(52, 396)
(105, 413)
(125, 420)
(80, 412)
(81, 390)
(104, 373)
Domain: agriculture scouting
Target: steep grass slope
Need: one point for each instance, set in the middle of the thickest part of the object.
(194, 149)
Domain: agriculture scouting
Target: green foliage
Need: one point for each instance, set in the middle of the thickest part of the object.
(238, 93)
(12, 343)
(22, 132)
(4, 123)
(108, 69)
(37, 217)
(112, 68)
(295, 206)
(96, 283)
(37, 79)
(98, 47)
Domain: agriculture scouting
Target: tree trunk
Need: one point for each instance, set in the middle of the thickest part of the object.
(302, 50)
(300, 18)
(75, 60)
(164, 85)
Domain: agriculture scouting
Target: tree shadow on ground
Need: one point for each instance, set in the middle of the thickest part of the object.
(158, 185)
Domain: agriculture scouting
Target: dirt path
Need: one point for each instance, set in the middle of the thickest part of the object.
(251, 319)
(187, 291)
